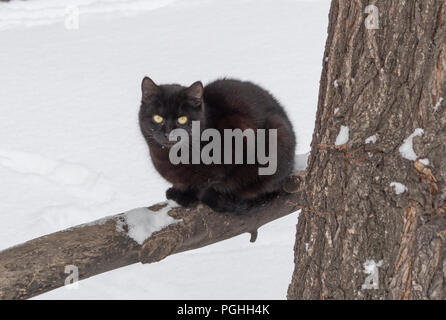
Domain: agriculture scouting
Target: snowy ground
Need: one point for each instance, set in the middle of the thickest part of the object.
(70, 147)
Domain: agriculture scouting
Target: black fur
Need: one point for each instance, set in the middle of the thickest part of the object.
(222, 104)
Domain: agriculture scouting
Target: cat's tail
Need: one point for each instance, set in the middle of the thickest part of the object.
(251, 206)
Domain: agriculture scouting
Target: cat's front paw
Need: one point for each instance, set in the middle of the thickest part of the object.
(184, 199)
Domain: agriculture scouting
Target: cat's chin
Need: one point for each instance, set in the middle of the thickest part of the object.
(166, 145)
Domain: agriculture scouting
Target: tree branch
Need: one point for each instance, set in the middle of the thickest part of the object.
(38, 266)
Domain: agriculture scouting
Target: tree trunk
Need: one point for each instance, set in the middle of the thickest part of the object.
(363, 235)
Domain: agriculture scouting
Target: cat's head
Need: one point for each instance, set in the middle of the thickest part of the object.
(168, 107)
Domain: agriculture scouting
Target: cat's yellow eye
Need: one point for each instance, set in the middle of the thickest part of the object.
(182, 120)
(157, 118)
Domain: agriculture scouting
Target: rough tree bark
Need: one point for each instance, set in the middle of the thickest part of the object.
(386, 83)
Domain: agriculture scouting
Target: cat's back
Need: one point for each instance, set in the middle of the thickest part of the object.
(234, 86)
(234, 95)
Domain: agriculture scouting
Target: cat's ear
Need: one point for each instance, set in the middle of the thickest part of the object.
(195, 93)
(149, 88)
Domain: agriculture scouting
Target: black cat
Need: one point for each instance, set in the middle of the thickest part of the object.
(222, 104)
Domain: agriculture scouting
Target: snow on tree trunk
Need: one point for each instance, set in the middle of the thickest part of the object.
(374, 226)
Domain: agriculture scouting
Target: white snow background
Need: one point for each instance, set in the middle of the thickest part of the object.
(70, 147)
